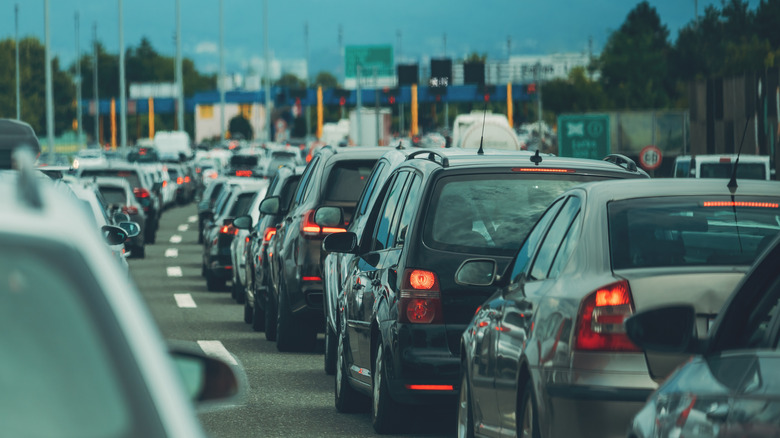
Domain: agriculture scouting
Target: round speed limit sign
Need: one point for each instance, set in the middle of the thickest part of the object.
(650, 157)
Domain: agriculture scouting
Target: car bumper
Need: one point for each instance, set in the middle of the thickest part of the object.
(590, 412)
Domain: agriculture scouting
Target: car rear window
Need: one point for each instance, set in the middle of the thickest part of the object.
(347, 179)
(114, 195)
(690, 231)
(724, 170)
(244, 161)
(130, 175)
(242, 204)
(490, 213)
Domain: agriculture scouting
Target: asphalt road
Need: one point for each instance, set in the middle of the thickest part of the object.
(289, 394)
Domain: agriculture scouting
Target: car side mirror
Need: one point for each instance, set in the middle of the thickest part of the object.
(114, 235)
(132, 228)
(243, 222)
(329, 217)
(340, 242)
(121, 217)
(670, 329)
(206, 378)
(270, 205)
(476, 272)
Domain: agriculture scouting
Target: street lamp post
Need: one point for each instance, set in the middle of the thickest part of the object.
(122, 91)
(49, 90)
(16, 44)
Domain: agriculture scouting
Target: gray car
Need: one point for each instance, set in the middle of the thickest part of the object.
(547, 355)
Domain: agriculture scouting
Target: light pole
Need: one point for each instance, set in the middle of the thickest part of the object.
(179, 75)
(78, 85)
(267, 73)
(220, 79)
(122, 92)
(49, 91)
(16, 44)
(95, 85)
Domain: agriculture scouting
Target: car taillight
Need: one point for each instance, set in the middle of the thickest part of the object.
(600, 321)
(269, 233)
(420, 301)
(214, 175)
(165, 184)
(187, 179)
(243, 173)
(311, 230)
(179, 180)
(228, 229)
(140, 192)
(130, 209)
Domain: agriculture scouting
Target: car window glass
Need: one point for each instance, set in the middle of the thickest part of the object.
(285, 196)
(567, 246)
(114, 195)
(552, 241)
(393, 237)
(409, 207)
(756, 332)
(241, 205)
(346, 180)
(382, 231)
(305, 178)
(372, 182)
(530, 244)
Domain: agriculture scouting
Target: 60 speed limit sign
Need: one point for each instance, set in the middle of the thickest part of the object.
(650, 157)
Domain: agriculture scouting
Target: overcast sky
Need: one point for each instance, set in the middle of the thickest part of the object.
(533, 27)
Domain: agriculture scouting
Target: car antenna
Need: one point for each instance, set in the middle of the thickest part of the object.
(480, 151)
(732, 185)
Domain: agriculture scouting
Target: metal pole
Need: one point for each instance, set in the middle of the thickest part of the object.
(539, 99)
(359, 110)
(49, 90)
(267, 73)
(401, 121)
(18, 85)
(122, 91)
(308, 107)
(376, 105)
(221, 78)
(80, 131)
(179, 75)
(95, 84)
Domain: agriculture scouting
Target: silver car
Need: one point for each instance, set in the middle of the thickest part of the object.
(547, 355)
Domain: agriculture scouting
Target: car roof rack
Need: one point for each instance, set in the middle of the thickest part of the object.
(622, 161)
(445, 162)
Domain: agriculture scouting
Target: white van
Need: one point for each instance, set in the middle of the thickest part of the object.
(720, 166)
(171, 144)
(467, 132)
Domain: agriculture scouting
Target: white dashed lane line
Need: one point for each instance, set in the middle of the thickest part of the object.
(174, 271)
(216, 349)
(184, 227)
(175, 238)
(171, 252)
(184, 301)
(192, 219)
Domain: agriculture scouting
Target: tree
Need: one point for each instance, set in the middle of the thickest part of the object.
(476, 57)
(326, 80)
(238, 125)
(289, 80)
(577, 93)
(766, 22)
(634, 63)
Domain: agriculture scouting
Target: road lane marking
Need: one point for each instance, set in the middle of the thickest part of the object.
(175, 238)
(171, 252)
(184, 227)
(192, 219)
(174, 271)
(216, 349)
(184, 301)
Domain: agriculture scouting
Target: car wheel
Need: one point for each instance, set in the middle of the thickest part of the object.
(213, 283)
(258, 314)
(346, 398)
(331, 346)
(203, 270)
(292, 334)
(465, 413)
(385, 412)
(237, 291)
(528, 421)
(248, 313)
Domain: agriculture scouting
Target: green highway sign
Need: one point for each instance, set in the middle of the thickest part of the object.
(583, 135)
(379, 57)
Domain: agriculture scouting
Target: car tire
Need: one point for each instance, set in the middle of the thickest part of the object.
(248, 312)
(331, 348)
(527, 414)
(203, 270)
(270, 319)
(346, 398)
(258, 314)
(237, 291)
(213, 283)
(292, 334)
(386, 413)
(465, 411)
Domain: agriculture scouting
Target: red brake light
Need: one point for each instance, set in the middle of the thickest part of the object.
(541, 169)
(420, 301)
(130, 209)
(269, 233)
(213, 175)
(740, 204)
(179, 180)
(140, 192)
(725, 160)
(187, 179)
(312, 278)
(243, 173)
(600, 321)
(165, 184)
(311, 230)
(430, 387)
(228, 229)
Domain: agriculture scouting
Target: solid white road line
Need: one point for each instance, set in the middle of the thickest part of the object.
(184, 301)
(174, 271)
(175, 238)
(184, 227)
(171, 252)
(192, 219)
(216, 349)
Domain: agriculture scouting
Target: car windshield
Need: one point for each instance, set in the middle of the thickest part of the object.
(72, 375)
(690, 231)
(490, 214)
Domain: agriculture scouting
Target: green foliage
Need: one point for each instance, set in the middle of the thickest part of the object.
(291, 81)
(326, 80)
(577, 93)
(476, 57)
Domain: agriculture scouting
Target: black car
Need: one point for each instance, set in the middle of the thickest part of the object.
(334, 177)
(403, 313)
(283, 185)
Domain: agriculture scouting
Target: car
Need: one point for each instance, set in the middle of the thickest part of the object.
(334, 177)
(246, 165)
(729, 386)
(547, 355)
(335, 264)
(119, 197)
(283, 185)
(98, 366)
(219, 232)
(208, 203)
(721, 166)
(185, 188)
(402, 313)
(238, 248)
